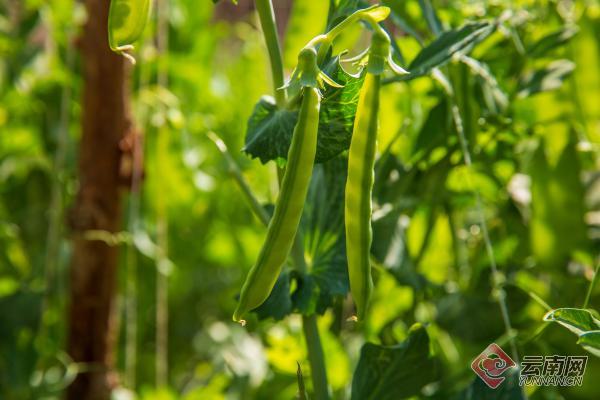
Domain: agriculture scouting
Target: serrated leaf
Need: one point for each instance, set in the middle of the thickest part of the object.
(548, 78)
(269, 130)
(324, 235)
(441, 50)
(126, 22)
(394, 372)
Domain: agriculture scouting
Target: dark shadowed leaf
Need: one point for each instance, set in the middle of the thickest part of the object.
(548, 78)
(508, 390)
(394, 372)
(552, 41)
(324, 235)
(279, 303)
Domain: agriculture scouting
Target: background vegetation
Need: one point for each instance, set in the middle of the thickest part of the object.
(525, 95)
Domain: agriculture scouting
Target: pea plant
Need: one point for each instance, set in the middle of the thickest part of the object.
(347, 189)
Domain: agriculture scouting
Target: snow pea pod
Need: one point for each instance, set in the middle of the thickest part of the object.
(288, 210)
(359, 185)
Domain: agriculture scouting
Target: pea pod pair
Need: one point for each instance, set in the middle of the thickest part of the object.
(288, 210)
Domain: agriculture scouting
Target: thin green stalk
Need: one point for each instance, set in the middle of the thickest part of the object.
(499, 291)
(131, 260)
(162, 229)
(236, 173)
(266, 15)
(588, 296)
(316, 358)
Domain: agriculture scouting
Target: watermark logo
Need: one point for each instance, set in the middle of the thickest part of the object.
(552, 370)
(491, 365)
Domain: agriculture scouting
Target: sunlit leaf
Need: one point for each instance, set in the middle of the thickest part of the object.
(576, 320)
(441, 50)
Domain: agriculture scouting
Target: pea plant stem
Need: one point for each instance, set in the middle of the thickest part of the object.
(588, 295)
(237, 175)
(162, 223)
(310, 328)
(266, 14)
(499, 291)
(316, 357)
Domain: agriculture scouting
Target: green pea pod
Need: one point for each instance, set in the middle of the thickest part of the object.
(359, 185)
(126, 22)
(288, 210)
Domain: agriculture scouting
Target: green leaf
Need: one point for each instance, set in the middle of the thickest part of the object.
(576, 320)
(126, 22)
(583, 323)
(545, 79)
(279, 303)
(394, 372)
(324, 234)
(591, 342)
(552, 41)
(269, 130)
(448, 43)
(508, 390)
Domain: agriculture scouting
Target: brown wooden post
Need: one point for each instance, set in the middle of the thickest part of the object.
(105, 121)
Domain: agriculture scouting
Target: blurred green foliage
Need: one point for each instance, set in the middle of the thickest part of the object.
(528, 92)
